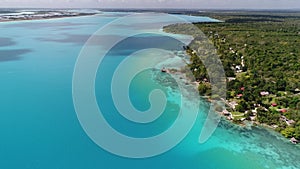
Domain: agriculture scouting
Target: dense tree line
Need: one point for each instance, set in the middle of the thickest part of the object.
(260, 53)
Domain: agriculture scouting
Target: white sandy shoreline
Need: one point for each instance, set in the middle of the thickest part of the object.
(4, 18)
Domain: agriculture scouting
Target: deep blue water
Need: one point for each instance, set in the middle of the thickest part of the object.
(39, 127)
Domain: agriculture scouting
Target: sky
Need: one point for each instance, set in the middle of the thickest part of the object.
(199, 4)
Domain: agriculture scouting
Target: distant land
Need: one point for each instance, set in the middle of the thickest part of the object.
(14, 14)
(34, 14)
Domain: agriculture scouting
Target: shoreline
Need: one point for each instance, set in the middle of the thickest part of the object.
(236, 118)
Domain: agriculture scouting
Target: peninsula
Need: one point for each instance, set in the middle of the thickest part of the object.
(261, 57)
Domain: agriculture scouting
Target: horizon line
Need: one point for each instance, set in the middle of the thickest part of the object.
(158, 8)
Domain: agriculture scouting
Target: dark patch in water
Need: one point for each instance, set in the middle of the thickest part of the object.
(114, 15)
(39, 25)
(81, 39)
(145, 25)
(11, 55)
(125, 46)
(6, 42)
(145, 41)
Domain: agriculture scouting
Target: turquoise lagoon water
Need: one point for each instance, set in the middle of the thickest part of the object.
(39, 127)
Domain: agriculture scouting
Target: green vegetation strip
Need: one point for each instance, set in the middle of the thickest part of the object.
(261, 56)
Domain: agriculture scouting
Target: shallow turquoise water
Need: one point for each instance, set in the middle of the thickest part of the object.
(38, 124)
